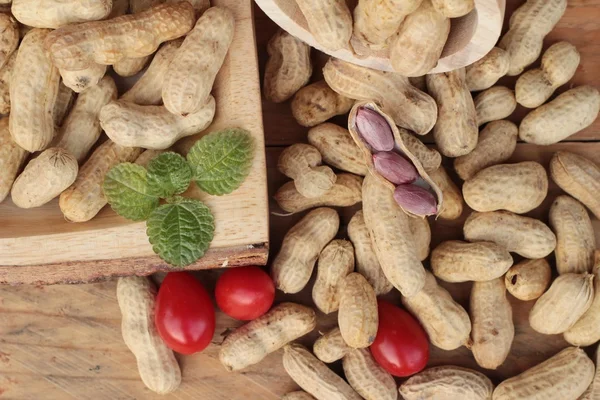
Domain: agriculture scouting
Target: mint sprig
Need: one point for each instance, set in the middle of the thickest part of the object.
(168, 174)
(221, 160)
(126, 189)
(181, 230)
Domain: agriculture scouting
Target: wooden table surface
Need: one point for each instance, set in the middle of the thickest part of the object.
(64, 342)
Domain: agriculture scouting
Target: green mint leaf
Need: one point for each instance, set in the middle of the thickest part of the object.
(222, 160)
(180, 232)
(126, 189)
(168, 174)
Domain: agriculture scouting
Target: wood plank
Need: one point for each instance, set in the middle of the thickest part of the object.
(39, 246)
(579, 26)
(64, 341)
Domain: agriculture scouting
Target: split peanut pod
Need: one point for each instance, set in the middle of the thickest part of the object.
(390, 161)
(566, 375)
(250, 343)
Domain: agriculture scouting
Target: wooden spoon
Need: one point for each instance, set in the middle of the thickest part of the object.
(471, 36)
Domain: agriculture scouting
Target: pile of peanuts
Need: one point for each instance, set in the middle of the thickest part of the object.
(381, 162)
(67, 47)
(412, 33)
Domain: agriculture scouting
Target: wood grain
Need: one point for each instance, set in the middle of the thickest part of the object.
(471, 36)
(39, 246)
(64, 342)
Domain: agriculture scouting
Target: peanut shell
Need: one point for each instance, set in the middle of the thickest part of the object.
(493, 328)
(517, 187)
(568, 298)
(457, 261)
(528, 279)
(391, 238)
(301, 246)
(250, 343)
(525, 236)
(576, 240)
(357, 316)
(565, 375)
(335, 262)
(579, 177)
(338, 148)
(445, 321)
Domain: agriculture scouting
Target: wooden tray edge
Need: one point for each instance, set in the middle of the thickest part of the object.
(98, 270)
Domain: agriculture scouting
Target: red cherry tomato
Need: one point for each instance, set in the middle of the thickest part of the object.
(245, 293)
(401, 346)
(185, 316)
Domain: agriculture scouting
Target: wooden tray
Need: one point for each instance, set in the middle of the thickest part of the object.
(471, 36)
(39, 246)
